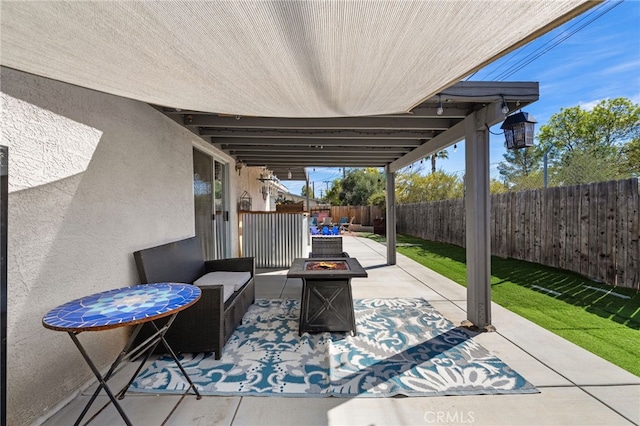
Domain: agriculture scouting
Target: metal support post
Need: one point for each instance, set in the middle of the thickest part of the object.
(477, 207)
(390, 224)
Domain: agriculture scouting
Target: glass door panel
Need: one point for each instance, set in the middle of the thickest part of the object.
(222, 228)
(204, 202)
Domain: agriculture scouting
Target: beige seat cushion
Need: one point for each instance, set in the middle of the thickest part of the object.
(232, 281)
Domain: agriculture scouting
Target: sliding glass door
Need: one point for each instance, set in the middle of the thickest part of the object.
(210, 191)
(221, 222)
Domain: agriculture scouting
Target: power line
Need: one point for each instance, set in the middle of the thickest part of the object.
(532, 56)
(508, 73)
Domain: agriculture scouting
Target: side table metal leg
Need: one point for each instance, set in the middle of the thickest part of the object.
(101, 380)
(184, 372)
(147, 348)
(160, 338)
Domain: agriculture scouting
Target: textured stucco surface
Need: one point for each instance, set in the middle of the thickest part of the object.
(93, 177)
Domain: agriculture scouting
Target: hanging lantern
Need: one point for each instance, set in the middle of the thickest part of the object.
(245, 202)
(519, 130)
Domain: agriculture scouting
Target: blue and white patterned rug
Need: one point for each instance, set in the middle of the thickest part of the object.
(402, 347)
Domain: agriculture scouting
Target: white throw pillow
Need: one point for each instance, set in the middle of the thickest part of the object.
(236, 279)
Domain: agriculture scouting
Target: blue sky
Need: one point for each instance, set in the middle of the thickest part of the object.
(599, 61)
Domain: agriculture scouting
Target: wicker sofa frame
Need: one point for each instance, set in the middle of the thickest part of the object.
(207, 325)
(327, 247)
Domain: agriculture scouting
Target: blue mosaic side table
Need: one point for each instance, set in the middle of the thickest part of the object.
(120, 308)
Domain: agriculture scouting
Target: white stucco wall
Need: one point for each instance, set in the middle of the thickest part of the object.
(93, 177)
(248, 181)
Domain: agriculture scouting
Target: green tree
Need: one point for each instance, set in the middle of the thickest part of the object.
(416, 188)
(443, 155)
(355, 189)
(521, 168)
(497, 187)
(631, 158)
(332, 195)
(309, 189)
(360, 184)
(589, 146)
(378, 199)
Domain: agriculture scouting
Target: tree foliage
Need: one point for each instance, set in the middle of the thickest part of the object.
(356, 187)
(589, 146)
(497, 187)
(631, 158)
(443, 155)
(521, 167)
(415, 187)
(583, 146)
(378, 199)
(308, 188)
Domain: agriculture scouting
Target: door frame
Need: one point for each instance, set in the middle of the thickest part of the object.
(226, 188)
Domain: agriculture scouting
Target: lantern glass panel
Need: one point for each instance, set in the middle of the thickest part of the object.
(519, 130)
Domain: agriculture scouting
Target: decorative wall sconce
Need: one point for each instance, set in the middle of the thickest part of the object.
(266, 177)
(245, 202)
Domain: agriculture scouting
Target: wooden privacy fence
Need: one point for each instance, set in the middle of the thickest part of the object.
(591, 229)
(364, 215)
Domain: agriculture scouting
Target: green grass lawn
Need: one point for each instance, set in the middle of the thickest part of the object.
(560, 301)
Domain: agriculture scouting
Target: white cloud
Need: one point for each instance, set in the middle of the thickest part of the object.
(633, 65)
(588, 106)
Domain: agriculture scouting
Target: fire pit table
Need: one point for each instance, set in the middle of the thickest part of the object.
(327, 304)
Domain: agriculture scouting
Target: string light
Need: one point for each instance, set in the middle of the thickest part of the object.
(440, 109)
(455, 147)
(504, 106)
(289, 174)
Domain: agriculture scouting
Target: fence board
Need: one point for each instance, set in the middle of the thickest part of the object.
(562, 227)
(595, 223)
(622, 232)
(612, 204)
(548, 245)
(633, 262)
(602, 228)
(573, 228)
(552, 228)
(495, 227)
(537, 223)
(585, 210)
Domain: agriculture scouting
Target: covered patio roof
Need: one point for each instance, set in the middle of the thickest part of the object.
(291, 144)
(289, 84)
(336, 58)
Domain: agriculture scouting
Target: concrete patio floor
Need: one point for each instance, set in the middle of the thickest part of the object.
(576, 387)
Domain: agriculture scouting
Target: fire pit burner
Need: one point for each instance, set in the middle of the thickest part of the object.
(329, 265)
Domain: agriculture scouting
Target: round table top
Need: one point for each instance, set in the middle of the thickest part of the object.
(122, 307)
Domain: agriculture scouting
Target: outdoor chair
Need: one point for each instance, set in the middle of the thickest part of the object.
(345, 226)
(327, 247)
(315, 230)
(326, 221)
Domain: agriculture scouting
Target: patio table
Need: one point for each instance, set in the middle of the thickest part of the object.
(120, 308)
(327, 302)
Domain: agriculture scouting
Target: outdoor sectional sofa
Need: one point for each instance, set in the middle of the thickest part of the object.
(228, 289)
